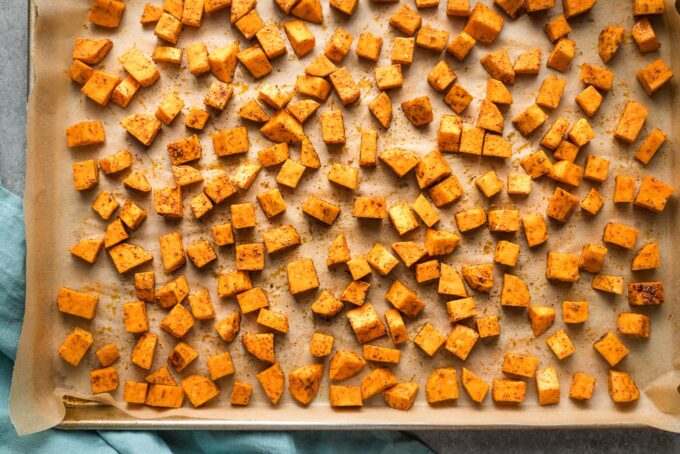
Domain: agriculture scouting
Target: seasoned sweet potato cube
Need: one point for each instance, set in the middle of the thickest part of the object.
(560, 344)
(645, 293)
(338, 45)
(547, 386)
(479, 277)
(181, 356)
(484, 24)
(168, 202)
(474, 386)
(461, 341)
(321, 345)
(429, 339)
(515, 292)
(228, 327)
(620, 235)
(85, 133)
(75, 346)
(144, 350)
(77, 303)
(304, 382)
(401, 396)
(199, 389)
(301, 39)
(562, 266)
(135, 317)
(260, 345)
(520, 365)
(345, 364)
(442, 385)
(104, 380)
(344, 396)
(85, 175)
(135, 392)
(366, 323)
(557, 28)
(611, 349)
(654, 76)
(368, 45)
(252, 300)
(631, 122)
(582, 386)
(106, 13)
(145, 284)
(461, 45)
(255, 61)
(622, 388)
(178, 322)
(272, 381)
(636, 325)
(172, 293)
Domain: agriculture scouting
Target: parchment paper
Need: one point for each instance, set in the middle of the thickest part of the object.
(57, 217)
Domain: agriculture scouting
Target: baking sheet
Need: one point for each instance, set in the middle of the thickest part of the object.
(57, 216)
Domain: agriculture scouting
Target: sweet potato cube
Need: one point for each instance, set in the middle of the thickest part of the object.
(631, 122)
(402, 218)
(344, 396)
(144, 350)
(474, 386)
(560, 344)
(135, 317)
(106, 13)
(199, 389)
(547, 386)
(301, 39)
(304, 382)
(77, 303)
(622, 388)
(442, 385)
(582, 386)
(611, 348)
(653, 194)
(461, 45)
(85, 133)
(338, 45)
(366, 323)
(143, 127)
(228, 327)
(557, 28)
(233, 283)
(401, 396)
(168, 202)
(178, 322)
(429, 339)
(461, 340)
(252, 300)
(270, 319)
(368, 45)
(484, 24)
(135, 392)
(479, 277)
(108, 354)
(541, 319)
(301, 276)
(172, 293)
(126, 257)
(327, 305)
(104, 380)
(74, 347)
(321, 345)
(255, 61)
(515, 292)
(654, 76)
(85, 175)
(377, 381)
(645, 293)
(345, 364)
(273, 382)
(562, 54)
(620, 235)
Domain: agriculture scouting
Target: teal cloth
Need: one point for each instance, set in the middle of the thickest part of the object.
(12, 285)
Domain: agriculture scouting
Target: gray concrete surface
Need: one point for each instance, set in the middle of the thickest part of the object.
(13, 92)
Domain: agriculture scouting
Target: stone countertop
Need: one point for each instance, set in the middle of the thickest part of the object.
(13, 93)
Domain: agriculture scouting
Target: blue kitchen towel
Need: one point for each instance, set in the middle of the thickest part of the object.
(12, 285)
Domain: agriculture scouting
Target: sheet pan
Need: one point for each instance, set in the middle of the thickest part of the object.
(45, 392)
